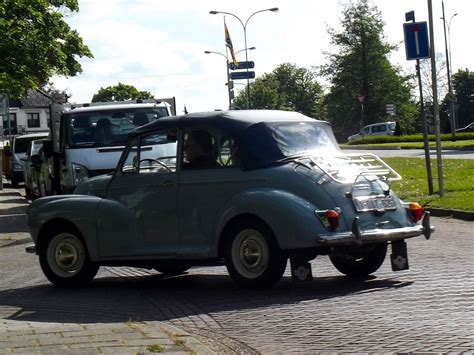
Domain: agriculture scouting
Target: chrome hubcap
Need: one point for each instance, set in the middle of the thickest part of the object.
(250, 254)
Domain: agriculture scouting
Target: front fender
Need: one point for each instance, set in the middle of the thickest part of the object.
(291, 217)
(80, 210)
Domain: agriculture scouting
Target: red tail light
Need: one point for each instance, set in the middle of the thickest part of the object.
(416, 211)
(333, 218)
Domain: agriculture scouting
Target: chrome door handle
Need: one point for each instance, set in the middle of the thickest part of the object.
(167, 184)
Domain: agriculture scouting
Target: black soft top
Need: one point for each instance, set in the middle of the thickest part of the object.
(231, 122)
(256, 132)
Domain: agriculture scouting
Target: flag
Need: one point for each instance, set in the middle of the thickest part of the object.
(228, 43)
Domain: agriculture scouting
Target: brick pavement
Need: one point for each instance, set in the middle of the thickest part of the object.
(427, 309)
(69, 336)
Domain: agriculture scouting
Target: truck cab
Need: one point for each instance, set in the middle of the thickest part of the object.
(87, 141)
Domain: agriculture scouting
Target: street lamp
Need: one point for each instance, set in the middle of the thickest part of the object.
(448, 60)
(229, 82)
(244, 25)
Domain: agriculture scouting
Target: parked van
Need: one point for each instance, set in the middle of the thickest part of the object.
(18, 150)
(376, 129)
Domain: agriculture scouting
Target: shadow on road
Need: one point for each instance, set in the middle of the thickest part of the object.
(159, 298)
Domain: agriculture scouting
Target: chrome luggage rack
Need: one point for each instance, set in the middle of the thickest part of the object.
(366, 165)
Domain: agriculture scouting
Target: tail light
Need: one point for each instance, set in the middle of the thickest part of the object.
(330, 218)
(416, 211)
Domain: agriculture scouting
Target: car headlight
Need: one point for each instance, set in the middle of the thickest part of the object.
(17, 166)
(79, 173)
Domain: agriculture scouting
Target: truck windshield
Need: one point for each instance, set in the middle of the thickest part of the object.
(107, 127)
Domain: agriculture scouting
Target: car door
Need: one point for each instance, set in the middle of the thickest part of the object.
(204, 189)
(139, 215)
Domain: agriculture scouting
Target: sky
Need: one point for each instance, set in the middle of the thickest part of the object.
(158, 46)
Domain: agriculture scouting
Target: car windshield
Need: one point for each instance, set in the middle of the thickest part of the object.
(268, 143)
(392, 126)
(21, 144)
(107, 127)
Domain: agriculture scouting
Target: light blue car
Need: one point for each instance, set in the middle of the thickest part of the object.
(251, 189)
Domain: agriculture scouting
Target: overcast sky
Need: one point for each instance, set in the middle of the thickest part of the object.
(159, 46)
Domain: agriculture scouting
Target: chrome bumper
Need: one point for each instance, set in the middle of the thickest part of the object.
(358, 236)
(31, 249)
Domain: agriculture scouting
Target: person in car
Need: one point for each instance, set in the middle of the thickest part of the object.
(198, 151)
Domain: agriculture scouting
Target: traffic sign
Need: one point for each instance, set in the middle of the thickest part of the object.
(237, 75)
(417, 45)
(242, 65)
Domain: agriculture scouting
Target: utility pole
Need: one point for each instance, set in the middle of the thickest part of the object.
(450, 89)
(435, 102)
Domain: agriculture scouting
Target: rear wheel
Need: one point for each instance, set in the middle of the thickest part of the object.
(359, 262)
(253, 257)
(65, 261)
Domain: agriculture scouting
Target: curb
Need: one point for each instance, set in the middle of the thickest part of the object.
(458, 214)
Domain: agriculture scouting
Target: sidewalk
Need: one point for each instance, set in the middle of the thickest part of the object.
(131, 337)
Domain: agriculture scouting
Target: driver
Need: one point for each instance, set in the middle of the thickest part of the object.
(198, 151)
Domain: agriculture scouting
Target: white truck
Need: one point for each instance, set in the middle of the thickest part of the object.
(87, 140)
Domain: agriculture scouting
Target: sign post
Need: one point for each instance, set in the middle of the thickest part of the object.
(417, 46)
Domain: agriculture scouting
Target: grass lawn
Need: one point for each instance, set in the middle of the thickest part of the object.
(468, 144)
(458, 182)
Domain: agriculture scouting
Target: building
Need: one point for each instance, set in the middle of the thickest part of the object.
(29, 114)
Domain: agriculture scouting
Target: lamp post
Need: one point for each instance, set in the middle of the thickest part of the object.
(244, 26)
(229, 83)
(448, 68)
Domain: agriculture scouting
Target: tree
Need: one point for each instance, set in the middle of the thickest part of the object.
(36, 43)
(287, 87)
(120, 92)
(441, 77)
(363, 80)
(463, 85)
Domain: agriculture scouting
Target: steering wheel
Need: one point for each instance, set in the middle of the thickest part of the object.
(156, 161)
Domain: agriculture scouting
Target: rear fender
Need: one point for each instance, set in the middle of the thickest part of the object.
(291, 218)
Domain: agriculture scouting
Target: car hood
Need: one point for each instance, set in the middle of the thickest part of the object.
(95, 186)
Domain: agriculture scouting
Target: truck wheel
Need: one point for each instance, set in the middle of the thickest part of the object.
(253, 257)
(65, 261)
(356, 263)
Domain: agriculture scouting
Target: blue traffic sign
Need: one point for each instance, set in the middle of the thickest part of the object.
(417, 44)
(242, 75)
(242, 65)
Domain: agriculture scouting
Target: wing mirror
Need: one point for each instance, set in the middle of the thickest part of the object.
(48, 148)
(35, 160)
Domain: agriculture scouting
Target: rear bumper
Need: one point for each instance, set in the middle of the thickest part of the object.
(359, 237)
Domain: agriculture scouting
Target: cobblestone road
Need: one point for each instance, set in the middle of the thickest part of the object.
(429, 308)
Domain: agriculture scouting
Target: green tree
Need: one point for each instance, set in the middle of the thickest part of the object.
(287, 87)
(120, 92)
(463, 85)
(360, 71)
(36, 43)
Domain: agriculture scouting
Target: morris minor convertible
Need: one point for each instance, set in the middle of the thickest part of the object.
(251, 189)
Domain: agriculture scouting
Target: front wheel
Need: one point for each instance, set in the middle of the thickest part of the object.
(253, 257)
(359, 263)
(65, 261)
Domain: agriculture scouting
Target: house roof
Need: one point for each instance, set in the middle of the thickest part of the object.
(33, 98)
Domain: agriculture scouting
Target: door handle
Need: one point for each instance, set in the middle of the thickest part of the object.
(167, 184)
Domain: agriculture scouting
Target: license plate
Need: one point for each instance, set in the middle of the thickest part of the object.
(372, 203)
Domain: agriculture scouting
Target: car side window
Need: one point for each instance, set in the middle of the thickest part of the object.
(152, 153)
(200, 149)
(228, 152)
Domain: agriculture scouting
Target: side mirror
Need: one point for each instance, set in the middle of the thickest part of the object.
(36, 160)
(48, 148)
